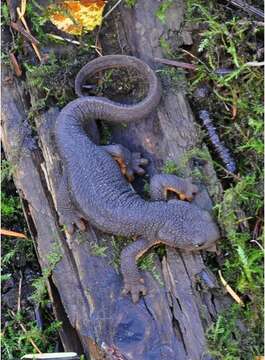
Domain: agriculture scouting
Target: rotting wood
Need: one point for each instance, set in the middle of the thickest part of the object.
(168, 323)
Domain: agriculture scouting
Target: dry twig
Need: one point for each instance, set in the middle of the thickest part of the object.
(19, 292)
(176, 63)
(230, 290)
(28, 36)
(113, 7)
(25, 331)
(15, 64)
(21, 12)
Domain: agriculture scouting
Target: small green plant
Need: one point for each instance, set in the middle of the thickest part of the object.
(5, 17)
(230, 338)
(170, 167)
(39, 285)
(146, 188)
(165, 46)
(105, 134)
(147, 263)
(99, 250)
(161, 12)
(118, 243)
(18, 254)
(6, 171)
(16, 342)
(10, 206)
(38, 16)
(130, 3)
(43, 79)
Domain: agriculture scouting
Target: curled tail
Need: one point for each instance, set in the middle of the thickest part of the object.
(75, 116)
(124, 113)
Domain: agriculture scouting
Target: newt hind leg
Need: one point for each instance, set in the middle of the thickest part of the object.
(130, 162)
(133, 282)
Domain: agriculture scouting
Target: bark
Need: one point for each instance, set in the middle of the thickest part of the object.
(183, 295)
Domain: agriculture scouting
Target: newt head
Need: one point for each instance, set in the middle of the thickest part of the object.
(189, 228)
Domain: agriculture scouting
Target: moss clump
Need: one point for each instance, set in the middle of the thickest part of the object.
(228, 65)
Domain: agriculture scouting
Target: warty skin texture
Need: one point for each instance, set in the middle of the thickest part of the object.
(93, 187)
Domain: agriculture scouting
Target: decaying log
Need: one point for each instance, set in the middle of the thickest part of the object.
(170, 322)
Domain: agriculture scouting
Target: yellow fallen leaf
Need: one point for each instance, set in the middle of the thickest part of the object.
(77, 17)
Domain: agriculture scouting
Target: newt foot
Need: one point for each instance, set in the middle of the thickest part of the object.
(131, 163)
(135, 287)
(191, 190)
(72, 220)
(137, 162)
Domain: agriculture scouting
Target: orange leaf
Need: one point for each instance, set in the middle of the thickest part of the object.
(76, 17)
(12, 233)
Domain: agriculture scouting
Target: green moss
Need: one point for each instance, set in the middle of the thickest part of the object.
(170, 167)
(147, 263)
(18, 254)
(44, 79)
(10, 206)
(161, 12)
(130, 3)
(39, 295)
(118, 243)
(232, 339)
(37, 16)
(165, 46)
(16, 342)
(5, 17)
(99, 250)
(228, 42)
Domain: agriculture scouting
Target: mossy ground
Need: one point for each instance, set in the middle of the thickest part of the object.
(20, 267)
(228, 39)
(50, 83)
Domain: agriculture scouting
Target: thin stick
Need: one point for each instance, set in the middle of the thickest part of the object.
(176, 63)
(25, 331)
(230, 290)
(21, 13)
(255, 63)
(19, 292)
(195, 57)
(256, 242)
(16, 26)
(113, 7)
(57, 37)
(75, 42)
(15, 64)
